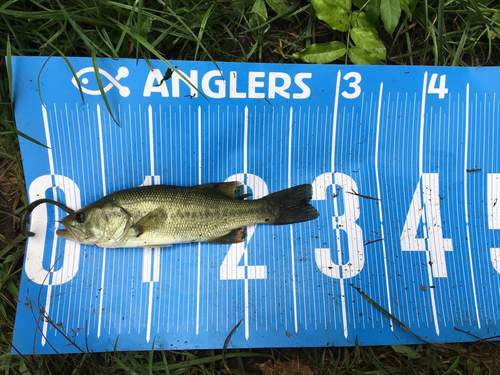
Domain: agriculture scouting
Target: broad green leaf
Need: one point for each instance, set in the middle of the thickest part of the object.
(360, 56)
(373, 10)
(390, 11)
(413, 5)
(359, 3)
(258, 14)
(369, 40)
(405, 349)
(408, 6)
(279, 6)
(405, 5)
(359, 19)
(371, 7)
(344, 4)
(336, 17)
(322, 53)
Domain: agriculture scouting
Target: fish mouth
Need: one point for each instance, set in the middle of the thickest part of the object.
(68, 233)
(64, 233)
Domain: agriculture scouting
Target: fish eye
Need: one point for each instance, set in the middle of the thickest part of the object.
(80, 217)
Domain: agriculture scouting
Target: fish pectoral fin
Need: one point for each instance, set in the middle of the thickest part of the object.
(149, 223)
(234, 236)
(232, 189)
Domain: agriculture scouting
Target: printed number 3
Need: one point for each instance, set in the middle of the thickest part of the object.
(345, 222)
(354, 85)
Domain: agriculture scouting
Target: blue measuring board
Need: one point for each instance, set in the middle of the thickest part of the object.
(404, 163)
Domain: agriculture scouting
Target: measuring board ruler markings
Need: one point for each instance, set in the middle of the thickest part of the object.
(405, 174)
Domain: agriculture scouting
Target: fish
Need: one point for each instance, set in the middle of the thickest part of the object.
(163, 215)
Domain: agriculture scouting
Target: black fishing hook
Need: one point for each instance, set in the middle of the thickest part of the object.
(32, 206)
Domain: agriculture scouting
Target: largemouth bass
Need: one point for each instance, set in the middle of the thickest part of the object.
(163, 215)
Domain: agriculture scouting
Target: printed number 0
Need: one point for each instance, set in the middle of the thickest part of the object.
(34, 256)
(354, 85)
(229, 269)
(346, 223)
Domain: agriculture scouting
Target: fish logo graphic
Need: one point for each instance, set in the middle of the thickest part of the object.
(113, 81)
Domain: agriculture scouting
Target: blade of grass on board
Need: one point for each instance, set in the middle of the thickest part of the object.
(387, 313)
(67, 62)
(148, 46)
(101, 87)
(10, 79)
(84, 38)
(38, 80)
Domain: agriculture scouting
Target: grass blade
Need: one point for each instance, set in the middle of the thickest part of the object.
(387, 313)
(101, 87)
(9, 66)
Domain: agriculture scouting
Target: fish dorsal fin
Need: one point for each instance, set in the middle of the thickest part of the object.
(233, 189)
(149, 222)
(234, 236)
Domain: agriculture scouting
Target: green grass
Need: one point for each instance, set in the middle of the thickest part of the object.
(451, 33)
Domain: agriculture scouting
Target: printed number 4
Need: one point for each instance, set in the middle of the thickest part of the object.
(425, 208)
(441, 90)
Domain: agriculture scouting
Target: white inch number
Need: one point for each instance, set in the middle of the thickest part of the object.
(345, 222)
(493, 192)
(354, 85)
(229, 269)
(425, 208)
(441, 90)
(36, 245)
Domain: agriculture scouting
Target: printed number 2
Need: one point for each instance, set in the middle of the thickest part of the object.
(229, 269)
(425, 207)
(441, 90)
(346, 223)
(354, 85)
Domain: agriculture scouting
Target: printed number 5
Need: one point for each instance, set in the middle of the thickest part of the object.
(354, 85)
(229, 269)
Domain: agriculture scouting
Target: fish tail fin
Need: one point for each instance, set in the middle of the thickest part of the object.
(291, 205)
